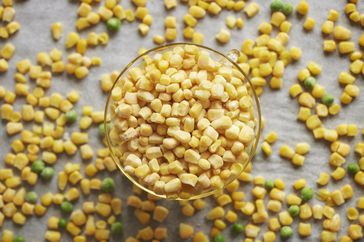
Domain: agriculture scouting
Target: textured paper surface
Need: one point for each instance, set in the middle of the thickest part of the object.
(279, 110)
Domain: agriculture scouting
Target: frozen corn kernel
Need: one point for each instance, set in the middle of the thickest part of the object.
(302, 7)
(57, 30)
(341, 33)
(223, 36)
(327, 27)
(309, 24)
(251, 9)
(170, 4)
(286, 152)
(329, 46)
(346, 47)
(197, 12)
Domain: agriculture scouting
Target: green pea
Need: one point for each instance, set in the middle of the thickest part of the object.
(113, 24)
(47, 173)
(38, 166)
(276, 5)
(294, 210)
(31, 197)
(353, 168)
(307, 194)
(62, 223)
(327, 99)
(287, 9)
(309, 82)
(102, 129)
(219, 238)
(71, 116)
(108, 185)
(66, 207)
(269, 184)
(238, 228)
(19, 239)
(117, 228)
(286, 232)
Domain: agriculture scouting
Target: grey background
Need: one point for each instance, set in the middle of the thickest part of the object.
(279, 110)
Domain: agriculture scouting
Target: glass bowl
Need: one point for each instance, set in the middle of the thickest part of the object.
(117, 153)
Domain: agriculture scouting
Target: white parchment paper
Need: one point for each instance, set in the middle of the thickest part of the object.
(279, 110)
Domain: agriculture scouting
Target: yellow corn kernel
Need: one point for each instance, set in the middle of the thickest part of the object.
(197, 38)
(347, 191)
(223, 36)
(303, 114)
(328, 212)
(337, 160)
(230, 21)
(323, 179)
(274, 224)
(285, 218)
(266, 148)
(355, 231)
(352, 90)
(197, 12)
(305, 211)
(352, 130)
(220, 224)
(317, 211)
(334, 109)
(333, 15)
(274, 206)
(286, 27)
(341, 33)
(72, 39)
(7, 51)
(306, 100)
(327, 27)
(286, 152)
(271, 137)
(346, 47)
(299, 184)
(3, 65)
(199, 204)
(302, 7)
(251, 10)
(200, 236)
(248, 208)
(277, 194)
(328, 236)
(304, 229)
(169, 4)
(337, 197)
(295, 90)
(277, 18)
(329, 46)
(72, 194)
(338, 173)
(251, 231)
(313, 122)
(352, 213)
(302, 148)
(359, 178)
(309, 24)
(231, 216)
(57, 30)
(322, 110)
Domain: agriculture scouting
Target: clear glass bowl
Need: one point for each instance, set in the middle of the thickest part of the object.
(116, 154)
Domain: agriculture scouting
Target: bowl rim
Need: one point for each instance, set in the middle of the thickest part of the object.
(108, 141)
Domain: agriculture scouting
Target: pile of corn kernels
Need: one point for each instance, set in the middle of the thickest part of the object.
(45, 126)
